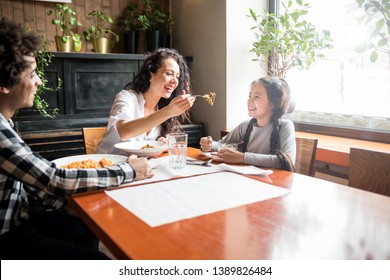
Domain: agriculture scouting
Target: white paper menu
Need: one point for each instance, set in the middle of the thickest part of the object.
(170, 201)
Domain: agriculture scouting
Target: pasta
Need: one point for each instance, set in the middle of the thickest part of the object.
(210, 98)
(89, 163)
(148, 146)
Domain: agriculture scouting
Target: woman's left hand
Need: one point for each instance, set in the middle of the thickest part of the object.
(229, 156)
(162, 139)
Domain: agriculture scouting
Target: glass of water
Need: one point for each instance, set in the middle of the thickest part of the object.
(177, 149)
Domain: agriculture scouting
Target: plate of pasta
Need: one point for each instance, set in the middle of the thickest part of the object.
(142, 148)
(89, 161)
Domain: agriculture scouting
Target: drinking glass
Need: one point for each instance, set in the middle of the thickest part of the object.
(177, 150)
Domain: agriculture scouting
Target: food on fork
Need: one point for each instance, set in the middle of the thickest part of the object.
(210, 97)
(89, 163)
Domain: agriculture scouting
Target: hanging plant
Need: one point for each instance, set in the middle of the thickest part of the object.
(43, 59)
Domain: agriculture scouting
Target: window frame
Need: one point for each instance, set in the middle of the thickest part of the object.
(340, 131)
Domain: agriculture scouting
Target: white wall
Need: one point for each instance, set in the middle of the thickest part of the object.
(216, 33)
(240, 68)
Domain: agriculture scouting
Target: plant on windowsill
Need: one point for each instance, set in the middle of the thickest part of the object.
(375, 19)
(102, 37)
(286, 40)
(157, 25)
(129, 23)
(64, 19)
(43, 59)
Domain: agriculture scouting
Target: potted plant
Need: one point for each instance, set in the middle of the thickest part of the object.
(286, 40)
(375, 19)
(64, 19)
(43, 59)
(156, 23)
(128, 22)
(102, 37)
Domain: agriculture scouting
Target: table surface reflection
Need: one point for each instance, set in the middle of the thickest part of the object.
(317, 220)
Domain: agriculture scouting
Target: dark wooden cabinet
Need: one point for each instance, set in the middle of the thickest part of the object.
(89, 84)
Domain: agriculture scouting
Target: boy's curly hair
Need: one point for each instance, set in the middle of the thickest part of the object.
(15, 44)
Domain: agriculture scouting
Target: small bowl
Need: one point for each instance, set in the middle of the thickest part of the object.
(232, 146)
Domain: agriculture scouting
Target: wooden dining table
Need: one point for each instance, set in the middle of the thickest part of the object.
(318, 219)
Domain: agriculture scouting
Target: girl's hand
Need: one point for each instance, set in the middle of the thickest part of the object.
(229, 156)
(162, 139)
(205, 143)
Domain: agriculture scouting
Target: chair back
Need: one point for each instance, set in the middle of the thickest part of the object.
(92, 137)
(369, 170)
(306, 154)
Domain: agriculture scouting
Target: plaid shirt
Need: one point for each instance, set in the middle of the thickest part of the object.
(26, 177)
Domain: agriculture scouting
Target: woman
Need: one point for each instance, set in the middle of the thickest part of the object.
(153, 105)
(266, 140)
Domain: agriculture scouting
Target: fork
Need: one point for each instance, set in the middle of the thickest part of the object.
(199, 162)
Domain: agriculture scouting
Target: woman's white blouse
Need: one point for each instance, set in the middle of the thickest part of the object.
(127, 105)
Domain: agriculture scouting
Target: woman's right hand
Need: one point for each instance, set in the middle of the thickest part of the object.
(181, 103)
(205, 143)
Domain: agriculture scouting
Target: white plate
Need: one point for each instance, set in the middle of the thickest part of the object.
(135, 148)
(96, 157)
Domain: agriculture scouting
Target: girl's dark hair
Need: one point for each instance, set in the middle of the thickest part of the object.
(15, 45)
(141, 84)
(278, 93)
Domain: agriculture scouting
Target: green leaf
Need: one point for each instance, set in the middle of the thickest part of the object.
(380, 23)
(77, 46)
(374, 56)
(383, 42)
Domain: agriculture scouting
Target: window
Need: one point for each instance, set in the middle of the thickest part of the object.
(345, 88)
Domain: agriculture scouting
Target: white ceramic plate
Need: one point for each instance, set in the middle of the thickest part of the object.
(135, 148)
(96, 157)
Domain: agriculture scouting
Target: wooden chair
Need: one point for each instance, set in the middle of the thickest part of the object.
(92, 137)
(306, 153)
(369, 170)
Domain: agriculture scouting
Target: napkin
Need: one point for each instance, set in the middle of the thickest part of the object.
(162, 171)
(244, 169)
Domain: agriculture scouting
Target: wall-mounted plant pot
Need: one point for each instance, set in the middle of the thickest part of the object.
(63, 46)
(101, 45)
(130, 39)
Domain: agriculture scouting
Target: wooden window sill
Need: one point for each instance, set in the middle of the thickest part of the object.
(335, 150)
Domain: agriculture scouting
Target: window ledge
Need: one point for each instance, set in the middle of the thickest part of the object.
(342, 120)
(335, 150)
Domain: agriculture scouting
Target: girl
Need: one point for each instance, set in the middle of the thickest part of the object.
(266, 140)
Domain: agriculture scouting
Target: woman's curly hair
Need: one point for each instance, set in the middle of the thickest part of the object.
(141, 83)
(15, 44)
